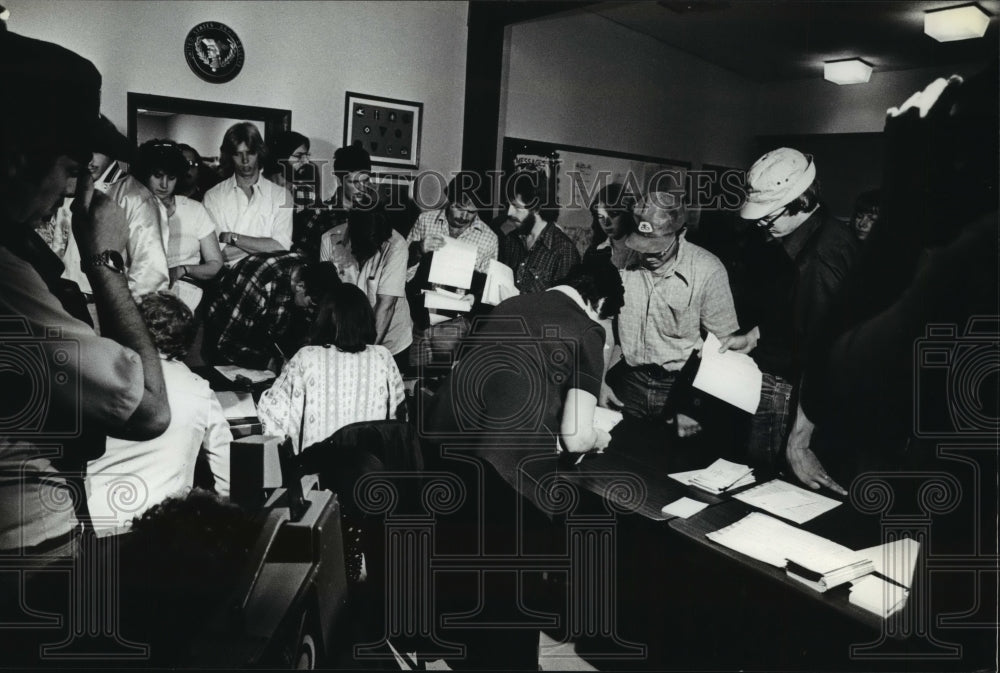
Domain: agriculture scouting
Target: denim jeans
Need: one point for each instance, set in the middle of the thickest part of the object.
(643, 390)
(769, 427)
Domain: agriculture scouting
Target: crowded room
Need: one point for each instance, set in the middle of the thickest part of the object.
(500, 335)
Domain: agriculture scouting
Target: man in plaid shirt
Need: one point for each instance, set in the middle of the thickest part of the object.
(254, 309)
(457, 219)
(531, 244)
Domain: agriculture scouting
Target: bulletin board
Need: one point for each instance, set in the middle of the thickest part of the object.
(579, 172)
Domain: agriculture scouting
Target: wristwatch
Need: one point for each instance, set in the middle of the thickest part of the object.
(109, 258)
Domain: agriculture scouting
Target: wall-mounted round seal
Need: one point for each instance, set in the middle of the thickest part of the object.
(214, 52)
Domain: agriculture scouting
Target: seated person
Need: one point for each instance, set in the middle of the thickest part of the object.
(380, 253)
(262, 309)
(676, 291)
(340, 378)
(251, 213)
(192, 249)
(133, 476)
(198, 178)
(288, 166)
(611, 223)
(530, 243)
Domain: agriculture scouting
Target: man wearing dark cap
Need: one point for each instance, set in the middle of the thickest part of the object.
(677, 290)
(66, 389)
(352, 167)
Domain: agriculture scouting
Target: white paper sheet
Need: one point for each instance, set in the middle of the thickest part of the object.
(453, 264)
(499, 284)
(236, 405)
(448, 301)
(684, 507)
(895, 560)
(732, 377)
(255, 375)
(189, 293)
(787, 500)
(772, 541)
(878, 596)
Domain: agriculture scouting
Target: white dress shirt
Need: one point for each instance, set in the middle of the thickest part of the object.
(267, 213)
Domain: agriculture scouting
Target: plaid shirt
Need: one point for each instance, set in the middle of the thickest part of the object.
(664, 313)
(252, 308)
(435, 223)
(548, 261)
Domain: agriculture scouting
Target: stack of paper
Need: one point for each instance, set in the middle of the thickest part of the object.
(453, 264)
(878, 596)
(717, 478)
(824, 570)
(499, 284)
(446, 300)
(787, 500)
(189, 293)
(767, 539)
(732, 377)
(236, 405)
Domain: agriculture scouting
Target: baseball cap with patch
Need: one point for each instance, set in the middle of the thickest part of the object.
(53, 99)
(659, 216)
(775, 180)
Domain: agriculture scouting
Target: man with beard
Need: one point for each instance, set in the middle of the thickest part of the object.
(531, 244)
(676, 291)
(251, 213)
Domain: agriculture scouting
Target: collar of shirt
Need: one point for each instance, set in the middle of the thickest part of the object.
(544, 238)
(680, 266)
(573, 294)
(798, 240)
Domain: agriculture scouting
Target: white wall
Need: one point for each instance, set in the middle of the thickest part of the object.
(818, 106)
(579, 79)
(300, 56)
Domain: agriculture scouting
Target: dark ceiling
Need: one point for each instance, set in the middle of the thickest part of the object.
(769, 41)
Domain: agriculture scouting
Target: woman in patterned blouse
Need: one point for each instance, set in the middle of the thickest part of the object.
(341, 378)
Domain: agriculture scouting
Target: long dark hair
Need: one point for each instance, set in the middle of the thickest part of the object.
(618, 202)
(367, 229)
(344, 319)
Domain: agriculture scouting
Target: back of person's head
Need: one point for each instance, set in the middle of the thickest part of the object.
(179, 563)
(345, 319)
(596, 279)
(241, 132)
(531, 186)
(170, 323)
(351, 159)
(367, 229)
(159, 155)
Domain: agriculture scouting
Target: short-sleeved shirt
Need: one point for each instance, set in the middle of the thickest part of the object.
(546, 263)
(664, 313)
(266, 214)
(188, 225)
(162, 467)
(435, 223)
(507, 391)
(86, 382)
(385, 273)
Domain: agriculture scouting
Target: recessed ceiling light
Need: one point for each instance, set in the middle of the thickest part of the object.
(956, 23)
(847, 71)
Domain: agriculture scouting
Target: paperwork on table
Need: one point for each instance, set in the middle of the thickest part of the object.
(717, 478)
(787, 500)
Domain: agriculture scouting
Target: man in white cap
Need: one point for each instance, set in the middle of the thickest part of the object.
(799, 263)
(677, 290)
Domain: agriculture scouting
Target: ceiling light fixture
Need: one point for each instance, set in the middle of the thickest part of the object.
(956, 23)
(847, 71)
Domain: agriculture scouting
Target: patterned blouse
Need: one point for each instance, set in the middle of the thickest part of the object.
(322, 389)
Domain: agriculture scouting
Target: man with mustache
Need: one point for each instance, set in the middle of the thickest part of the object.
(531, 244)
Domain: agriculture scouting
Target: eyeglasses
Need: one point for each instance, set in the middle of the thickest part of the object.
(768, 221)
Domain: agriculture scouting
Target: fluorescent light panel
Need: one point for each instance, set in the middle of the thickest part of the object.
(847, 71)
(956, 23)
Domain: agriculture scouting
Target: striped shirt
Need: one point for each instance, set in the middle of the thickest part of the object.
(664, 312)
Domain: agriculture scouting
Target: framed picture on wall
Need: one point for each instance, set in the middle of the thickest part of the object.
(388, 128)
